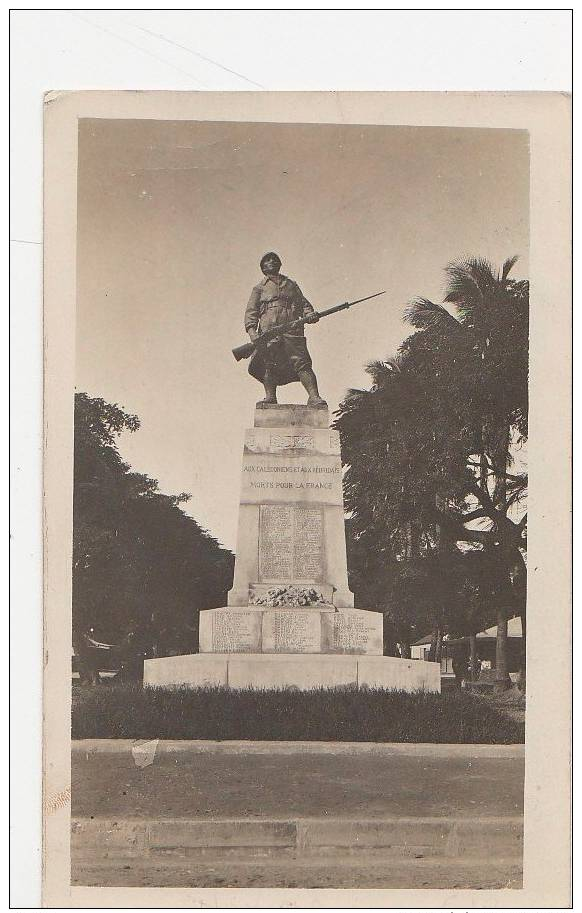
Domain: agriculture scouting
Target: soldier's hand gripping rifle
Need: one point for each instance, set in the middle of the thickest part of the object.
(247, 349)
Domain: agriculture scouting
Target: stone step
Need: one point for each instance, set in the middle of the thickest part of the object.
(302, 837)
(287, 670)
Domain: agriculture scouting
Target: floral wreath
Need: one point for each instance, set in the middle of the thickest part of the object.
(289, 596)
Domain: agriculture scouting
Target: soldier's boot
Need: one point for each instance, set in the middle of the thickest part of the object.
(270, 392)
(309, 381)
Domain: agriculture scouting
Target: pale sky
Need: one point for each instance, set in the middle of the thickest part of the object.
(173, 218)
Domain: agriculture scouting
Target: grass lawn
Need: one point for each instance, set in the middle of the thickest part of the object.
(334, 715)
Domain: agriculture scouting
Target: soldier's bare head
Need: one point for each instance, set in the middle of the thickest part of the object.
(270, 263)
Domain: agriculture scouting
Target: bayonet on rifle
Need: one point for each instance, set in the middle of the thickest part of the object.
(248, 348)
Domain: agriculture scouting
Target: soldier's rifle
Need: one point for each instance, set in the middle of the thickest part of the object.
(248, 348)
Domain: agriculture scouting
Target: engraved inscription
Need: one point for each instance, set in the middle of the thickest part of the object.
(271, 476)
(307, 543)
(234, 632)
(294, 632)
(276, 542)
(353, 633)
(350, 631)
(291, 543)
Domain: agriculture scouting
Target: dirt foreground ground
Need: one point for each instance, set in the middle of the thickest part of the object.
(208, 814)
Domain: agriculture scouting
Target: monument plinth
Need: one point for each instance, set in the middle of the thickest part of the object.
(290, 618)
(291, 517)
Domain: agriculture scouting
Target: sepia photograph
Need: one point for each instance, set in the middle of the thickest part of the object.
(298, 441)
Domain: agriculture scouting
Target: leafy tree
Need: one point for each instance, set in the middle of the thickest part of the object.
(429, 447)
(141, 567)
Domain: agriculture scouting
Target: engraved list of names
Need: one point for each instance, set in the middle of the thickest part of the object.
(291, 631)
(290, 542)
(235, 632)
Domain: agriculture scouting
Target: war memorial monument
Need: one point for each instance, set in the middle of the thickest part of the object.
(290, 619)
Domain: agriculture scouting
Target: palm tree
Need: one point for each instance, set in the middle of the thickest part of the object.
(428, 448)
(489, 330)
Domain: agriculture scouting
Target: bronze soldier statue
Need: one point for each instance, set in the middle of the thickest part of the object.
(283, 359)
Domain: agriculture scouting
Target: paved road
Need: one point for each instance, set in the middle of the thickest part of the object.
(207, 782)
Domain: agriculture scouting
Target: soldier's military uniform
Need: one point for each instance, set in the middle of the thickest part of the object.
(277, 300)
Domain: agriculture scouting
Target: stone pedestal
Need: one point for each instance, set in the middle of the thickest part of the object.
(291, 515)
(291, 535)
(290, 630)
(300, 671)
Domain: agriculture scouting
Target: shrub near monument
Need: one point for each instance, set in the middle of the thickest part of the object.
(332, 714)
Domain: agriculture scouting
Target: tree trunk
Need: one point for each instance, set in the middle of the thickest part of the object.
(439, 647)
(473, 656)
(520, 591)
(88, 673)
(433, 645)
(443, 545)
(502, 680)
(523, 655)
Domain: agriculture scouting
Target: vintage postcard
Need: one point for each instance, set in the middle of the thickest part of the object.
(307, 490)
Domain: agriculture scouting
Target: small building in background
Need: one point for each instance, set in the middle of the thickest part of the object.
(486, 641)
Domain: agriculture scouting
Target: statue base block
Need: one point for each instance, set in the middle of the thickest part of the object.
(313, 629)
(302, 672)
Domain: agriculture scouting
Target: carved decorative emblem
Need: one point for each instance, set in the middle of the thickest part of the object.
(292, 442)
(334, 441)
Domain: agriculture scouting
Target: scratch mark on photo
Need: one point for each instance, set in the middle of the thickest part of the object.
(139, 48)
(198, 54)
